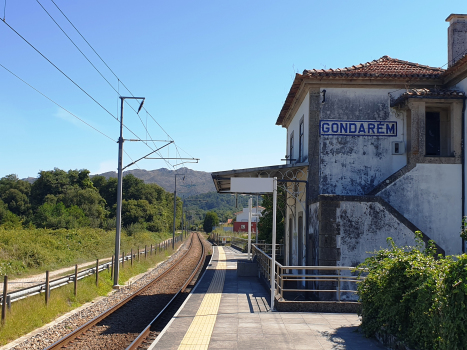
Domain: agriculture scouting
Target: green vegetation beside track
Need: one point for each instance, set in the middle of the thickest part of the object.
(31, 313)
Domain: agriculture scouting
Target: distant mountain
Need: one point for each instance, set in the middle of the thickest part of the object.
(196, 182)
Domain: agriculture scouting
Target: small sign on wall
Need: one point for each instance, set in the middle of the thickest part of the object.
(357, 128)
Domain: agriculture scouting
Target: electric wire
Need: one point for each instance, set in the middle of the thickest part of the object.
(66, 110)
(47, 97)
(40, 53)
(82, 53)
(119, 81)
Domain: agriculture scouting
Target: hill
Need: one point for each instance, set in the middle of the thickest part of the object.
(196, 182)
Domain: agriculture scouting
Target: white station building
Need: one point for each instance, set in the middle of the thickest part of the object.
(373, 151)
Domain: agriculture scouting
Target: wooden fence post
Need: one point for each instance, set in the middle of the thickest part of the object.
(151, 249)
(76, 280)
(123, 260)
(131, 253)
(5, 291)
(97, 272)
(138, 253)
(145, 251)
(112, 268)
(47, 286)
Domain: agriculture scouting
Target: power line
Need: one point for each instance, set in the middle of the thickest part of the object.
(119, 81)
(66, 110)
(68, 77)
(79, 87)
(32, 87)
(76, 46)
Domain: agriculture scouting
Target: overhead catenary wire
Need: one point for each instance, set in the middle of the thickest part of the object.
(118, 79)
(60, 106)
(76, 84)
(103, 61)
(47, 97)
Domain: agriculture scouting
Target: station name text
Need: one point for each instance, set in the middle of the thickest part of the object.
(357, 128)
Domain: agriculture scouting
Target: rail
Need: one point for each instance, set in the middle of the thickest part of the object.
(338, 279)
(145, 333)
(62, 281)
(88, 325)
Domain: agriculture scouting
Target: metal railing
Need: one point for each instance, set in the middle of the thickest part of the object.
(243, 242)
(62, 281)
(338, 280)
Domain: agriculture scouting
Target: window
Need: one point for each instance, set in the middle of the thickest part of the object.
(432, 134)
(437, 133)
(291, 148)
(301, 141)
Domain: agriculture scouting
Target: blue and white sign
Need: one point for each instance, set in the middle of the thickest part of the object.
(357, 128)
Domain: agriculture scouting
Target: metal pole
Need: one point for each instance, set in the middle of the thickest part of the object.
(250, 200)
(119, 196)
(183, 221)
(175, 209)
(273, 253)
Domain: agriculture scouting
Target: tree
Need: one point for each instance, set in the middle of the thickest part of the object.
(210, 220)
(265, 222)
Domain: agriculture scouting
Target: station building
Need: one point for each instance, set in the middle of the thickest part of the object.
(373, 151)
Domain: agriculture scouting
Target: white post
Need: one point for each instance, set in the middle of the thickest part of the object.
(249, 227)
(273, 253)
(257, 219)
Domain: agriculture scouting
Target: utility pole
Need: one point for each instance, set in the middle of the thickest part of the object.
(119, 187)
(175, 208)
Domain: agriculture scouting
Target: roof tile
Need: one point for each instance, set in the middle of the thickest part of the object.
(385, 67)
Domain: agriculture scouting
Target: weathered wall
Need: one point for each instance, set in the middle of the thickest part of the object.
(313, 234)
(353, 165)
(430, 196)
(364, 228)
(294, 127)
(463, 86)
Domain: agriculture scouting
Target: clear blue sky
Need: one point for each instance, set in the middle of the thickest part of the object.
(214, 73)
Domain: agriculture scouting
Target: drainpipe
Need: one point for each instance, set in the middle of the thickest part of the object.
(463, 169)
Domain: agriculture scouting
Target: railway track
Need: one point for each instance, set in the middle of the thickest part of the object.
(137, 320)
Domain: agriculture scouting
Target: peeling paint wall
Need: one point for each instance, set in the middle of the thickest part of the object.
(353, 165)
(430, 196)
(463, 86)
(313, 234)
(364, 228)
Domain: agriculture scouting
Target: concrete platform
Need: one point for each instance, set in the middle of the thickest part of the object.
(227, 311)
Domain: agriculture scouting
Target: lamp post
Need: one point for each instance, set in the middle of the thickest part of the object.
(175, 208)
(119, 187)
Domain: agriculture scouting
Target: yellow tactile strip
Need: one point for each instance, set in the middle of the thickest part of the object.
(199, 334)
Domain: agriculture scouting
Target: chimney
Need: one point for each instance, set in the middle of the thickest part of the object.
(457, 37)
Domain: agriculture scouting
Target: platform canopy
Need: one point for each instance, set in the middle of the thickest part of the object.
(297, 171)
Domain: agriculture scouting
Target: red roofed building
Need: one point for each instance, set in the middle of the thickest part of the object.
(374, 150)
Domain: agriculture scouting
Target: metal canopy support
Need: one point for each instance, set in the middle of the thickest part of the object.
(289, 178)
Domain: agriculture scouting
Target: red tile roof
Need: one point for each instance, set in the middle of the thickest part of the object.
(428, 93)
(383, 68)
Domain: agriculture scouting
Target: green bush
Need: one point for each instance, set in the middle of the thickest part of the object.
(416, 296)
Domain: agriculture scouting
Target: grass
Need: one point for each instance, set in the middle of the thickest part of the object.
(27, 251)
(31, 313)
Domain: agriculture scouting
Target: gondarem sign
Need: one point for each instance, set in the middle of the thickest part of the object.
(358, 128)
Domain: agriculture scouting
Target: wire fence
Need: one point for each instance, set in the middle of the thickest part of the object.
(44, 284)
